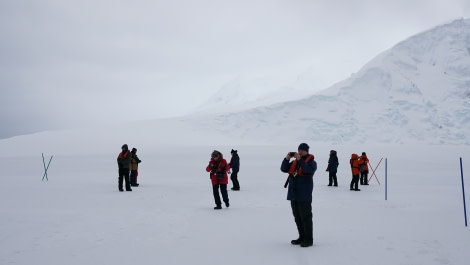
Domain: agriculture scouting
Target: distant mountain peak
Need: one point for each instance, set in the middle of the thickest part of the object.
(416, 91)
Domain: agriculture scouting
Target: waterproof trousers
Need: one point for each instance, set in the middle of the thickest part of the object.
(302, 212)
(223, 190)
(124, 175)
(364, 179)
(354, 182)
(234, 178)
(333, 179)
(133, 177)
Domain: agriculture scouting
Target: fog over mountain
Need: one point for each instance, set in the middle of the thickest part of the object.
(417, 91)
(242, 93)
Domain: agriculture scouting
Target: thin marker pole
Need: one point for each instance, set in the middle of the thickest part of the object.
(386, 181)
(46, 168)
(463, 193)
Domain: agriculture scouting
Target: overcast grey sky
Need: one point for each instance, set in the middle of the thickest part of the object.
(68, 63)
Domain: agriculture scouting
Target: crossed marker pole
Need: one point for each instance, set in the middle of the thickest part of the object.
(45, 168)
(373, 171)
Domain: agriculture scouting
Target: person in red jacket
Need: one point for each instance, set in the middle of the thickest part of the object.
(363, 162)
(218, 168)
(355, 172)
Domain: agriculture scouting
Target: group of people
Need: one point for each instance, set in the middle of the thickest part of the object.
(300, 167)
(359, 170)
(128, 164)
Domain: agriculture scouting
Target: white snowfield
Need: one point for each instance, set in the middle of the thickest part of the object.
(78, 216)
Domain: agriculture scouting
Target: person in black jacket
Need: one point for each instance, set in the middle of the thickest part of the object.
(124, 161)
(300, 188)
(333, 168)
(235, 167)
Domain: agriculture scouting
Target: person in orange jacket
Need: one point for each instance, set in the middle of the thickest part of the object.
(218, 168)
(355, 172)
(364, 168)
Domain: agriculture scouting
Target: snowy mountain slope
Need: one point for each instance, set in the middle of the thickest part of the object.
(418, 91)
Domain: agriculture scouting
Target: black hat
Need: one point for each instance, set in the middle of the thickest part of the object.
(303, 146)
(124, 146)
(364, 153)
(134, 150)
(233, 151)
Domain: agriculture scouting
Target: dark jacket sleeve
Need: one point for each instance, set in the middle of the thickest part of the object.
(308, 168)
(285, 165)
(211, 166)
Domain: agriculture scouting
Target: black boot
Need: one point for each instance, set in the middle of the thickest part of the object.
(218, 207)
(297, 241)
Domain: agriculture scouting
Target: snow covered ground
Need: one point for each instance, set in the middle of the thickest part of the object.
(79, 217)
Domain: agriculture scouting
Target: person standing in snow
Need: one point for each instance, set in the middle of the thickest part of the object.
(300, 188)
(124, 161)
(332, 168)
(134, 167)
(364, 168)
(355, 172)
(234, 167)
(218, 168)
